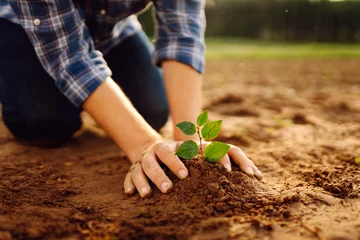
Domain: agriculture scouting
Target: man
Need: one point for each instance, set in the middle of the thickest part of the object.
(55, 61)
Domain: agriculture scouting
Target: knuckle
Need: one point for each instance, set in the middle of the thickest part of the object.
(128, 177)
(137, 168)
(240, 153)
(146, 158)
(157, 177)
(136, 175)
(146, 162)
(165, 148)
(154, 167)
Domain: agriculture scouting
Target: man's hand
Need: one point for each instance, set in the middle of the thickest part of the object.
(240, 159)
(149, 168)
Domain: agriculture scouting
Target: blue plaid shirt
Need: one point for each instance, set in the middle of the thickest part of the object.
(67, 33)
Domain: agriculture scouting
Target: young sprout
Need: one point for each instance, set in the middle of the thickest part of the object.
(214, 152)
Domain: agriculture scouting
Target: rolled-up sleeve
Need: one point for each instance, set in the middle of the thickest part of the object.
(63, 45)
(180, 32)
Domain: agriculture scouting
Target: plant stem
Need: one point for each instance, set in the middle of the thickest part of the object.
(198, 132)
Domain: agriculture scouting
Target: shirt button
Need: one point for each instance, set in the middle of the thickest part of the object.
(37, 21)
(102, 11)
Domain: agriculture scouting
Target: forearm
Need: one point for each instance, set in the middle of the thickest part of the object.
(113, 111)
(183, 87)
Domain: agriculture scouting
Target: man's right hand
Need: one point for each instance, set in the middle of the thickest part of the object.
(148, 167)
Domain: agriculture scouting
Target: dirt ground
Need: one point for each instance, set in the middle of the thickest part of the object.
(299, 121)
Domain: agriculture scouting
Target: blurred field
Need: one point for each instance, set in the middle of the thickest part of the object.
(237, 48)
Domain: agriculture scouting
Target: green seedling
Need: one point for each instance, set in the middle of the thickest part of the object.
(207, 130)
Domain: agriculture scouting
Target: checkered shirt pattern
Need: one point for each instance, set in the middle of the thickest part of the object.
(67, 33)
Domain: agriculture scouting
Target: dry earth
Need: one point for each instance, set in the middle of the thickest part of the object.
(298, 120)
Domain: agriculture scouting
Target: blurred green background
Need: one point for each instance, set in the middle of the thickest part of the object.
(279, 28)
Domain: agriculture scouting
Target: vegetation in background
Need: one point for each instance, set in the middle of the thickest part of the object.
(238, 48)
(280, 20)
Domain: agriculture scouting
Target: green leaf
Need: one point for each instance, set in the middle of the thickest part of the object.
(187, 150)
(187, 128)
(216, 151)
(202, 118)
(211, 130)
(357, 160)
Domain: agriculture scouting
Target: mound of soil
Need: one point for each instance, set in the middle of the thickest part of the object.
(208, 192)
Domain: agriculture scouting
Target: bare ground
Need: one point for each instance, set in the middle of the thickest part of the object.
(298, 120)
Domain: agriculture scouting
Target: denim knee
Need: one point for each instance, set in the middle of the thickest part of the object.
(157, 119)
(42, 128)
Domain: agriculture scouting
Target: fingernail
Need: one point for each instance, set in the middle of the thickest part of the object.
(250, 171)
(258, 174)
(227, 166)
(130, 190)
(182, 173)
(144, 191)
(165, 186)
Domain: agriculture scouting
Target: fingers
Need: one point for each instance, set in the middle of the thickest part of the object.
(245, 164)
(129, 186)
(257, 172)
(225, 161)
(140, 181)
(155, 173)
(149, 167)
(167, 155)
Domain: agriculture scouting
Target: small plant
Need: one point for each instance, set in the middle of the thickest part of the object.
(357, 160)
(209, 130)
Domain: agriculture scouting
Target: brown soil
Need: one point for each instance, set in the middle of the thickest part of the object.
(299, 121)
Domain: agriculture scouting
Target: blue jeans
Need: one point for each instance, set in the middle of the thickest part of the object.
(33, 108)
